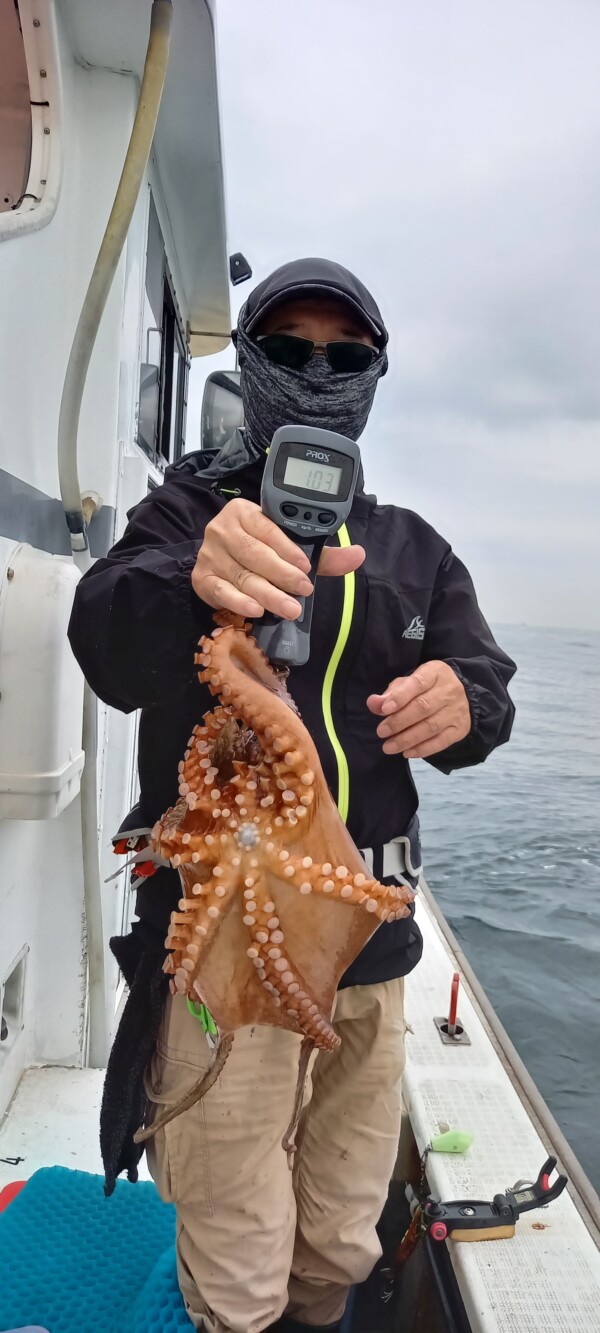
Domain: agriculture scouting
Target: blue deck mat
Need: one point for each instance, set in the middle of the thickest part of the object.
(76, 1262)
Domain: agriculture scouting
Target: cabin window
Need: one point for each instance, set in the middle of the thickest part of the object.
(164, 368)
(15, 109)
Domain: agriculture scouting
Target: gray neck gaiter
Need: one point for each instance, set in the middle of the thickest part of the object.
(274, 396)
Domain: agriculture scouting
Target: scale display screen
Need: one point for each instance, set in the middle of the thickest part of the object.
(319, 477)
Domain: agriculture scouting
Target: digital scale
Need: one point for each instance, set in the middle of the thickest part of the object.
(307, 489)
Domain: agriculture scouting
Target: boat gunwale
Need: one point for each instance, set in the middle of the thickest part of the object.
(580, 1188)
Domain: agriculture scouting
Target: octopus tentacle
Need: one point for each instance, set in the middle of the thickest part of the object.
(195, 1094)
(205, 755)
(234, 661)
(192, 927)
(288, 1141)
(386, 902)
(280, 978)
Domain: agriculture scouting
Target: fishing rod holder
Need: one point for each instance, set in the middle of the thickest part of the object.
(450, 1030)
(477, 1219)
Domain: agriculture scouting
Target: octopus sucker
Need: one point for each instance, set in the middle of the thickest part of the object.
(277, 901)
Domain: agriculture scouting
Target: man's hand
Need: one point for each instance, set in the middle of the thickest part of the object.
(423, 713)
(247, 564)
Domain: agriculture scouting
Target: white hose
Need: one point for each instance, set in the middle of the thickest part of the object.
(134, 168)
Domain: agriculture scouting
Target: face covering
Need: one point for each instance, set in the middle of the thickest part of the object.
(274, 396)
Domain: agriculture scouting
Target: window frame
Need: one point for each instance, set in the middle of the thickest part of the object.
(170, 397)
(173, 337)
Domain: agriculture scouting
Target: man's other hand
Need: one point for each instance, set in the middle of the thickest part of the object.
(423, 713)
(247, 564)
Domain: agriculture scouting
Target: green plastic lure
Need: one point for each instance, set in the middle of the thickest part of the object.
(454, 1140)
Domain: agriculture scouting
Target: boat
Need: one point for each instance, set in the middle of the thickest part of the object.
(98, 328)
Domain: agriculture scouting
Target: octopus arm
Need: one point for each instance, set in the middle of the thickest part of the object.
(193, 928)
(387, 903)
(281, 978)
(237, 670)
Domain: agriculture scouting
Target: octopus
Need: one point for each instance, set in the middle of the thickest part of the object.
(276, 899)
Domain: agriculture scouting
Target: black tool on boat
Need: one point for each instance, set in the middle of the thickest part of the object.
(476, 1219)
(307, 490)
(470, 1219)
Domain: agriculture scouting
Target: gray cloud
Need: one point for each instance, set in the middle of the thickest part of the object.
(449, 155)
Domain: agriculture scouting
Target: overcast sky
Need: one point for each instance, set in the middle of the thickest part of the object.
(447, 151)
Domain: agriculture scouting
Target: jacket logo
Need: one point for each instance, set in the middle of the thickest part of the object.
(416, 629)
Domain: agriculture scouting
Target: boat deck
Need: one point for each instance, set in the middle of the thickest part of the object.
(53, 1121)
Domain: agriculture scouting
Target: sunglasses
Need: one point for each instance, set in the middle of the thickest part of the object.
(345, 358)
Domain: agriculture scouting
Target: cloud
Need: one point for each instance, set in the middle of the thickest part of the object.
(447, 154)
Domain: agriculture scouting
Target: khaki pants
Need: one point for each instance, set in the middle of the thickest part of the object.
(253, 1240)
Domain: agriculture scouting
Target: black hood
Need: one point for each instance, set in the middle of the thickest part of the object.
(306, 277)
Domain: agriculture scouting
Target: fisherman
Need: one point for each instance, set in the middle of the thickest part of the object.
(420, 676)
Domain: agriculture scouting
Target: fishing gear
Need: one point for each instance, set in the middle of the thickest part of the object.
(476, 1219)
(471, 1220)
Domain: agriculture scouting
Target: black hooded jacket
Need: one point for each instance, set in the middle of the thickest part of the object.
(136, 622)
